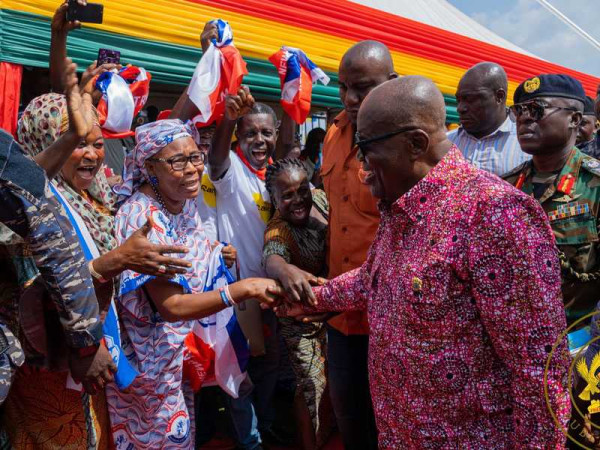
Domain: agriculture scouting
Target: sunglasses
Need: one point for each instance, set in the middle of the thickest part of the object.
(178, 163)
(536, 110)
(362, 144)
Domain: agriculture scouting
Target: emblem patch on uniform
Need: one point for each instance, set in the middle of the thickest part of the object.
(178, 428)
(569, 210)
(532, 85)
(592, 163)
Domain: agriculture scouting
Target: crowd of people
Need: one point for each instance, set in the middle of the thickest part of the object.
(426, 287)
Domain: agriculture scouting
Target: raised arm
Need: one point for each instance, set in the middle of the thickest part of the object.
(516, 274)
(287, 137)
(58, 44)
(235, 107)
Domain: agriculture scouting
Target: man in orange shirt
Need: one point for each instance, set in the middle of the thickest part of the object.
(353, 221)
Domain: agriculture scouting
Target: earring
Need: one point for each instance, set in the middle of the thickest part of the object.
(153, 180)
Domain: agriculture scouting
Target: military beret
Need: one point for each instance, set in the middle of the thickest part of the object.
(549, 85)
(588, 107)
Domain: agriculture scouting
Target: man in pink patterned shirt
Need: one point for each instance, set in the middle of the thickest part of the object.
(462, 288)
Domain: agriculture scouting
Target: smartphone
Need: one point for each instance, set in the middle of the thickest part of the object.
(90, 13)
(108, 56)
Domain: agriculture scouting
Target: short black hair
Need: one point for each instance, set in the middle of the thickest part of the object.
(280, 166)
(259, 108)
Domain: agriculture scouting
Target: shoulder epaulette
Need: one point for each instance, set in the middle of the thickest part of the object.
(591, 165)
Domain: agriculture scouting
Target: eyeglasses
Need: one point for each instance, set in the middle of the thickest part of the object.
(536, 110)
(363, 143)
(178, 163)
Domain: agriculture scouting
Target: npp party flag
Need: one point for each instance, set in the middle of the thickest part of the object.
(297, 74)
(216, 349)
(220, 71)
(124, 94)
(125, 373)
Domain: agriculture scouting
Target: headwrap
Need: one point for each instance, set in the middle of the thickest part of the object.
(41, 124)
(124, 94)
(297, 74)
(150, 139)
(220, 71)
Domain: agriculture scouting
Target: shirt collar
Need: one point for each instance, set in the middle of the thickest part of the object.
(341, 120)
(423, 197)
(508, 126)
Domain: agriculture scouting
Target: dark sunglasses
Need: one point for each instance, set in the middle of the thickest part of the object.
(363, 143)
(536, 110)
(178, 163)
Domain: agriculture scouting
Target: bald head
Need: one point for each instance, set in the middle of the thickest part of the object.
(487, 74)
(369, 52)
(402, 134)
(481, 99)
(407, 101)
(364, 66)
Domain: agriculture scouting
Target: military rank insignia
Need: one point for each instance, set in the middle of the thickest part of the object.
(532, 85)
(565, 184)
(569, 210)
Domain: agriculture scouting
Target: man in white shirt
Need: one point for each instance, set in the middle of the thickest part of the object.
(487, 137)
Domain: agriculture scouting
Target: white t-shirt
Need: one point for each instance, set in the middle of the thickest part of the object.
(238, 207)
(242, 208)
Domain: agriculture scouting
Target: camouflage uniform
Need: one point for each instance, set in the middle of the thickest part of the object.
(29, 209)
(592, 147)
(572, 203)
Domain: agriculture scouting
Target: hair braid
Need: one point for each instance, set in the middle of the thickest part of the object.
(278, 167)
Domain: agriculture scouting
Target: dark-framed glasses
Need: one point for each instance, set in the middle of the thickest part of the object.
(178, 163)
(536, 110)
(362, 144)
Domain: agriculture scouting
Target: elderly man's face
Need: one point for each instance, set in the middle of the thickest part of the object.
(550, 132)
(356, 79)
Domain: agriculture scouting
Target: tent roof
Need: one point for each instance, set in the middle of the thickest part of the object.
(441, 14)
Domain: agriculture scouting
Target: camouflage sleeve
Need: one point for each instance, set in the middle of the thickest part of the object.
(28, 207)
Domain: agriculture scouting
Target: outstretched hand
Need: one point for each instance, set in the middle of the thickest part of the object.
(240, 104)
(79, 105)
(142, 256)
(60, 24)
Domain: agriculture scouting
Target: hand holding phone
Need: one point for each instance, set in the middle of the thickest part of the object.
(89, 13)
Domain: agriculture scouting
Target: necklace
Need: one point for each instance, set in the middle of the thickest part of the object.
(159, 198)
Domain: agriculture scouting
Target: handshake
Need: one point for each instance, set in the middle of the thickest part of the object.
(291, 294)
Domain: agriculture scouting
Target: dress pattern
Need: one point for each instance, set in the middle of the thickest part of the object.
(152, 412)
(462, 287)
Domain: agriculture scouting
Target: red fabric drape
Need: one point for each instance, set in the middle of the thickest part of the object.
(10, 94)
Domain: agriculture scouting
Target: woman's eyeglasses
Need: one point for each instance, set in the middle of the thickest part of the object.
(178, 163)
(536, 110)
(363, 143)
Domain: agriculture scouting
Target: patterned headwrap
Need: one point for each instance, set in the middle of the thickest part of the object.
(41, 124)
(150, 139)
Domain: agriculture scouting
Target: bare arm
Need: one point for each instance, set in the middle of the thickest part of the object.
(174, 306)
(58, 44)
(235, 107)
(287, 135)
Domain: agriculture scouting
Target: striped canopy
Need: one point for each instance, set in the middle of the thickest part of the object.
(163, 37)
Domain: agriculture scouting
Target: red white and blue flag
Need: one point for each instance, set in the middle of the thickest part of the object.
(219, 72)
(297, 74)
(124, 94)
(217, 350)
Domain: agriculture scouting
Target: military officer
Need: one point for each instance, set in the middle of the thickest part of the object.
(548, 111)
